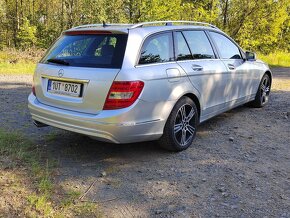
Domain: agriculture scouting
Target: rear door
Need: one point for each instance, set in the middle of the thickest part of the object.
(156, 66)
(207, 73)
(77, 72)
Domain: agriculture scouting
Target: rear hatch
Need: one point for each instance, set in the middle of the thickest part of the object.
(78, 70)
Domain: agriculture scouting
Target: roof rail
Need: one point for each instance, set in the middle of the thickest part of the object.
(170, 23)
(133, 26)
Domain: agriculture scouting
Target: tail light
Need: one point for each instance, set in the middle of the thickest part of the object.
(123, 94)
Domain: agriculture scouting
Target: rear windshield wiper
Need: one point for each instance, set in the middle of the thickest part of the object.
(58, 61)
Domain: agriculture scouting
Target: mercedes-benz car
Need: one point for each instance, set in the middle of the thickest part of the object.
(125, 83)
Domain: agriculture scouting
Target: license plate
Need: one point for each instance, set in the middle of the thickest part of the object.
(64, 88)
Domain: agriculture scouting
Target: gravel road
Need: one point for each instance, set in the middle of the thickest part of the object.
(239, 165)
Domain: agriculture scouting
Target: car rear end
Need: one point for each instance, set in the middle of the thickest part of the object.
(75, 89)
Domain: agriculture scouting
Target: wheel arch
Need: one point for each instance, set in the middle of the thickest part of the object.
(195, 99)
(270, 76)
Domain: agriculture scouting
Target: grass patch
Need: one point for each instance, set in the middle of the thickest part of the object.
(51, 136)
(276, 59)
(13, 144)
(21, 67)
(34, 174)
(41, 204)
(14, 61)
(70, 198)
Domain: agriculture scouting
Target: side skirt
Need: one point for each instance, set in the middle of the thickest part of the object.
(218, 109)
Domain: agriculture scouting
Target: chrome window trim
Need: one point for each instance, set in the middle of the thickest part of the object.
(215, 51)
(155, 64)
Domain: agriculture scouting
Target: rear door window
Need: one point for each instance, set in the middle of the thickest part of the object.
(199, 44)
(227, 49)
(157, 49)
(98, 51)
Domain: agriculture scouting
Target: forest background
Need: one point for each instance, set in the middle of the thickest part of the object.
(28, 27)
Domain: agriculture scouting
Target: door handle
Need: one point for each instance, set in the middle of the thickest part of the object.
(197, 67)
(231, 67)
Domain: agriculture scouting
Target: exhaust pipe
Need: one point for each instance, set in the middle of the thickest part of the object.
(39, 124)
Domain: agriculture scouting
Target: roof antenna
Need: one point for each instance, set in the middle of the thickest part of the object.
(168, 24)
(104, 24)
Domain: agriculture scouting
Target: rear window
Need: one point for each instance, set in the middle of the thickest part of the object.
(97, 51)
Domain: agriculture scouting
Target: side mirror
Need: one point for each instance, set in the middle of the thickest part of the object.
(251, 56)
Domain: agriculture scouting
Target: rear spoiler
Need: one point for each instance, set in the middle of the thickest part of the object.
(94, 31)
(87, 32)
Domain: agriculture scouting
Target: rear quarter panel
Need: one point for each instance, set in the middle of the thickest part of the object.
(160, 94)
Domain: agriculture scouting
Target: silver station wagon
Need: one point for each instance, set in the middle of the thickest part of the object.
(125, 83)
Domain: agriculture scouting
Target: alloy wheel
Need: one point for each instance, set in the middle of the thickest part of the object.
(184, 126)
(265, 90)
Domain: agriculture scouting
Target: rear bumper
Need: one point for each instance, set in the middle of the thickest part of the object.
(111, 126)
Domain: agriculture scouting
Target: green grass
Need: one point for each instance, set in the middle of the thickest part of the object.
(41, 198)
(14, 61)
(14, 145)
(70, 197)
(22, 151)
(51, 136)
(18, 68)
(276, 59)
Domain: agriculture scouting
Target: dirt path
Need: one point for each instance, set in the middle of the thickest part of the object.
(246, 177)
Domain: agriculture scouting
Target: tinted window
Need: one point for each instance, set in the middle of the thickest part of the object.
(182, 51)
(227, 49)
(199, 44)
(157, 49)
(104, 51)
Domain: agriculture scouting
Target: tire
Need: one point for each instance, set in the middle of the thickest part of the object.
(263, 93)
(180, 128)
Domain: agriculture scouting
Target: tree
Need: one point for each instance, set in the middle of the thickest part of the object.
(26, 35)
(284, 36)
(257, 25)
(205, 11)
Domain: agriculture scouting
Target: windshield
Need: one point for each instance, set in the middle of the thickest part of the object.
(98, 51)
